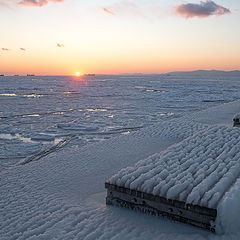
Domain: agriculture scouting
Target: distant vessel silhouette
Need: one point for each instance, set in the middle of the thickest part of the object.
(30, 75)
(89, 75)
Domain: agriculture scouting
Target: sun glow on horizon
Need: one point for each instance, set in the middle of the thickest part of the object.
(108, 39)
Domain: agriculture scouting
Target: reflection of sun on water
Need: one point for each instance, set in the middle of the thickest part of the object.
(79, 78)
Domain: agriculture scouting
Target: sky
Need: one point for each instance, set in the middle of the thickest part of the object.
(62, 37)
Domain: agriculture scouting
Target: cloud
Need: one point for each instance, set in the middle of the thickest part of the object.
(3, 4)
(201, 10)
(8, 3)
(5, 49)
(60, 45)
(107, 11)
(23, 49)
(124, 8)
(37, 3)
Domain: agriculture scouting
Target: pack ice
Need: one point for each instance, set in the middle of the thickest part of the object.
(201, 170)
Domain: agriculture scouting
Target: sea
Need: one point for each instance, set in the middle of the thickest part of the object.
(42, 114)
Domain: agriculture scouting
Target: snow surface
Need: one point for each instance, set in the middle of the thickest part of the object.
(228, 210)
(61, 195)
(58, 199)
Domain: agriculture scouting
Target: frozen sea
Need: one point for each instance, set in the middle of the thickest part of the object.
(61, 138)
(40, 114)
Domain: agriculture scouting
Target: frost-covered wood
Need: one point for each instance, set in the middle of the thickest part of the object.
(200, 170)
(178, 211)
(236, 120)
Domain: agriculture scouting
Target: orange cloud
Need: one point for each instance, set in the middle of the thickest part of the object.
(37, 3)
(60, 45)
(124, 8)
(201, 10)
(107, 11)
(23, 49)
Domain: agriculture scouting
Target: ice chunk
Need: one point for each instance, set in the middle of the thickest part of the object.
(77, 127)
(42, 137)
(237, 116)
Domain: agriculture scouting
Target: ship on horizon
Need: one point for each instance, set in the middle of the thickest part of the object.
(90, 75)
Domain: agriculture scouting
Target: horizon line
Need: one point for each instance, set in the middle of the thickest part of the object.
(136, 73)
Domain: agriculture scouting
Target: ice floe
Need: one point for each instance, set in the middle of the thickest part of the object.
(77, 127)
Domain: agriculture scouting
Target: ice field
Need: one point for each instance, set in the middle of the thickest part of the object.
(57, 150)
(38, 113)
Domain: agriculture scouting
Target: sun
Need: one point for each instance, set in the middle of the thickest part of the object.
(78, 74)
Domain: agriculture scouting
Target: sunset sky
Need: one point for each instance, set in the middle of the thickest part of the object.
(61, 37)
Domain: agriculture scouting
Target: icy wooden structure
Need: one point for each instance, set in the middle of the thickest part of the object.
(236, 120)
(186, 183)
(155, 205)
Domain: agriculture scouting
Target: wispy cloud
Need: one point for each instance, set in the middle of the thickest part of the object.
(3, 4)
(60, 45)
(23, 49)
(201, 10)
(5, 49)
(37, 3)
(106, 10)
(124, 8)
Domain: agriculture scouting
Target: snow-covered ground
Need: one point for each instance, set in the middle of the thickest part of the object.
(62, 195)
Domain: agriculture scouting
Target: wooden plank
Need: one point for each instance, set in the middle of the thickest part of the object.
(195, 215)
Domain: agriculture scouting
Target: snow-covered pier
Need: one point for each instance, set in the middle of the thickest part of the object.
(187, 182)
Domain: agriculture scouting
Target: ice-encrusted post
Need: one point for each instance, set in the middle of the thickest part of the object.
(236, 120)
